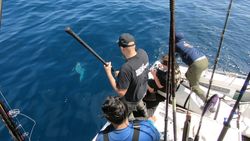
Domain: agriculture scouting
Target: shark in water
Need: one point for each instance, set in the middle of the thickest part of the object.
(79, 69)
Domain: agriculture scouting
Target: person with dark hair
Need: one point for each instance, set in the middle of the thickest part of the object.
(131, 82)
(157, 85)
(120, 129)
(197, 62)
(159, 74)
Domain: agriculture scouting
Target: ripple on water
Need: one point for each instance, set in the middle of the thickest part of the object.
(37, 56)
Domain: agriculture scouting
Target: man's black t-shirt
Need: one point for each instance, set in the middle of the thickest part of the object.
(133, 76)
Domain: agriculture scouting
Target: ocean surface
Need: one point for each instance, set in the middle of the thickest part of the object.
(50, 77)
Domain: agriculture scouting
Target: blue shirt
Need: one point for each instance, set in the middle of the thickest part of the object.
(187, 52)
(148, 132)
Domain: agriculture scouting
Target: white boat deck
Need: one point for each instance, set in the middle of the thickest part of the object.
(226, 85)
(210, 128)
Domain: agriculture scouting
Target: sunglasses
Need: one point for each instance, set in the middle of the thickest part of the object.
(123, 43)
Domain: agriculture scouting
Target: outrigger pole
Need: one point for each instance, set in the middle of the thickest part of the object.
(74, 35)
(227, 123)
(171, 69)
(1, 6)
(218, 52)
(13, 129)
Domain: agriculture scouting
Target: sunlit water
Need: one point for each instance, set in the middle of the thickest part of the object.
(50, 77)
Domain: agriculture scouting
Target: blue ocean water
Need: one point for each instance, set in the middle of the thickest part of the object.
(37, 56)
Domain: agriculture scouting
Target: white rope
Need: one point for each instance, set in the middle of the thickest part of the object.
(14, 112)
(5, 100)
(31, 131)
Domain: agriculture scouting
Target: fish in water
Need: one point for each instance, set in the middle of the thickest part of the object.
(79, 69)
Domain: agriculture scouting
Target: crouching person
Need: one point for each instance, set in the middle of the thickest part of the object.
(116, 112)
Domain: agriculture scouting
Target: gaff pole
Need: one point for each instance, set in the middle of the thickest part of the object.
(74, 35)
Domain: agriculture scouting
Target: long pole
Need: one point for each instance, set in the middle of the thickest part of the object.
(167, 100)
(227, 123)
(186, 127)
(74, 35)
(171, 69)
(1, 6)
(13, 129)
(220, 45)
(187, 122)
(173, 86)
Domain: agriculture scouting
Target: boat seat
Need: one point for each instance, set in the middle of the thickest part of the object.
(228, 91)
(219, 88)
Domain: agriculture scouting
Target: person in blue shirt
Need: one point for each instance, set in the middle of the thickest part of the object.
(120, 129)
(197, 62)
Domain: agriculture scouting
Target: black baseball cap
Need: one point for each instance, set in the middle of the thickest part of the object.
(125, 39)
(178, 36)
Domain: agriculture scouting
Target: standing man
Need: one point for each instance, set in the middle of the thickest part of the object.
(197, 62)
(131, 83)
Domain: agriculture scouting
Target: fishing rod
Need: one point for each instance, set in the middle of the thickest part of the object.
(227, 123)
(13, 129)
(9, 117)
(172, 78)
(4, 114)
(210, 103)
(167, 100)
(219, 49)
(74, 35)
(186, 127)
(170, 86)
(1, 6)
(187, 122)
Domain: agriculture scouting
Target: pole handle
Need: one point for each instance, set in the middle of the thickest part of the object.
(74, 35)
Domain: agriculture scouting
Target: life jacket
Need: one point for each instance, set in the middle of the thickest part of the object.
(136, 127)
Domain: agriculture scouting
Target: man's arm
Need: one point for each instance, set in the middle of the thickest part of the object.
(156, 79)
(120, 92)
(151, 90)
